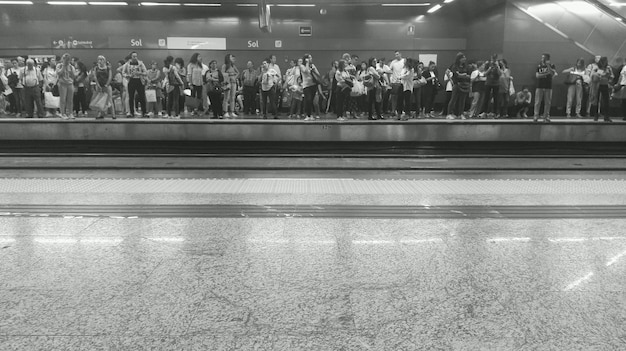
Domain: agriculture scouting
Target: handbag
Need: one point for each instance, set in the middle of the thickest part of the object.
(99, 102)
(349, 82)
(317, 78)
(51, 101)
(151, 95)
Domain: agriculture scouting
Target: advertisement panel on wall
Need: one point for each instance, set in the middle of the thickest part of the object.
(196, 43)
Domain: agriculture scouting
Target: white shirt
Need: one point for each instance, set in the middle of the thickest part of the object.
(396, 70)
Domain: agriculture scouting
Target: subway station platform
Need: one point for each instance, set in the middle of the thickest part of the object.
(323, 130)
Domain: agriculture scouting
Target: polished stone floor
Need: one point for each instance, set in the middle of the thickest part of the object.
(96, 283)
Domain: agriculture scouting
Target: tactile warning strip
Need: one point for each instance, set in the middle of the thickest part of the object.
(310, 211)
(311, 186)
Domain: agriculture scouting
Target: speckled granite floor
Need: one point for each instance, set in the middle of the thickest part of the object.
(312, 284)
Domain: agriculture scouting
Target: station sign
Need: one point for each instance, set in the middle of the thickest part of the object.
(135, 42)
(252, 44)
(306, 31)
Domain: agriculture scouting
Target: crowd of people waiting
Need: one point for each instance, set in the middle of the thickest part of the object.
(402, 88)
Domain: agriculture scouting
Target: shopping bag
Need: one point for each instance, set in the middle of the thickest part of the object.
(151, 95)
(51, 101)
(99, 102)
(357, 89)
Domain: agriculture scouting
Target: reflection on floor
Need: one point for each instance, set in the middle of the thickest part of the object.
(101, 283)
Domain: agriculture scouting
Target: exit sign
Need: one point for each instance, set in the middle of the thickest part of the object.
(306, 31)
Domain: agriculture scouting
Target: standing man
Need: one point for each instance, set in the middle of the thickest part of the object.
(249, 78)
(14, 75)
(31, 80)
(137, 74)
(545, 72)
(279, 91)
(396, 67)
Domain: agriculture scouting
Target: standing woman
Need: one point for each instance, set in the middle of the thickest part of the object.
(574, 81)
(477, 79)
(215, 79)
(155, 82)
(602, 75)
(182, 73)
(66, 73)
(309, 86)
(461, 88)
(374, 92)
(194, 71)
(51, 79)
(406, 79)
(362, 72)
(103, 76)
(343, 89)
(174, 85)
(230, 74)
(418, 83)
(505, 84)
(136, 72)
(492, 87)
(80, 100)
(429, 91)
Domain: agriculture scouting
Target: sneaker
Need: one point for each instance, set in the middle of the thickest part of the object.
(524, 115)
(308, 118)
(568, 116)
(128, 115)
(547, 119)
(317, 117)
(160, 114)
(71, 117)
(18, 115)
(578, 115)
(233, 115)
(57, 114)
(535, 119)
(450, 117)
(227, 115)
(48, 114)
(65, 117)
(339, 119)
(176, 117)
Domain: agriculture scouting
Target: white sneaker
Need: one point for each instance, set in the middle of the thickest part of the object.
(450, 117)
(317, 117)
(160, 114)
(58, 114)
(48, 114)
(227, 115)
(64, 116)
(71, 117)
(18, 115)
(233, 115)
(308, 118)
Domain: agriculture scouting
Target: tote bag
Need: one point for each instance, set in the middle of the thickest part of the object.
(51, 101)
(151, 95)
(99, 102)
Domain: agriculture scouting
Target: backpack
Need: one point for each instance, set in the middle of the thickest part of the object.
(171, 77)
(13, 80)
